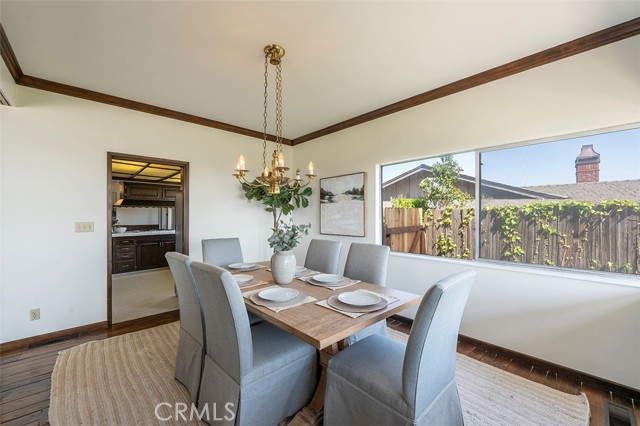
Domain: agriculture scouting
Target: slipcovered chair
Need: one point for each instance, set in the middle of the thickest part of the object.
(323, 256)
(191, 335)
(223, 252)
(265, 373)
(381, 381)
(368, 262)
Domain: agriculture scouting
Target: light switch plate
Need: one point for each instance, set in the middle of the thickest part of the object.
(84, 226)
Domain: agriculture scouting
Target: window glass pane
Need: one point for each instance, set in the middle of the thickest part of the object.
(428, 206)
(572, 203)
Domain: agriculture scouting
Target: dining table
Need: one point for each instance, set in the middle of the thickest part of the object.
(315, 323)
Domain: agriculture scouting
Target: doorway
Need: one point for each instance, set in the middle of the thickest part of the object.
(147, 216)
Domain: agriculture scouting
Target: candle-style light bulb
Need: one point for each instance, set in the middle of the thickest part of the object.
(241, 163)
(265, 172)
(280, 160)
(298, 178)
(310, 167)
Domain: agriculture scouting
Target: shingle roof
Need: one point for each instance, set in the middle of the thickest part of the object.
(595, 191)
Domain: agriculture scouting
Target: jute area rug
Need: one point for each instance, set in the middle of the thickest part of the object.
(122, 380)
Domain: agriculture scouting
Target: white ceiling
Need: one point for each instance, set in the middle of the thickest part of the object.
(343, 58)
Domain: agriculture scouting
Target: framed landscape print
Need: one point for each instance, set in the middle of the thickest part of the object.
(342, 205)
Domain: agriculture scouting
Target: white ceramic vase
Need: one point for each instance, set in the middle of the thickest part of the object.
(283, 266)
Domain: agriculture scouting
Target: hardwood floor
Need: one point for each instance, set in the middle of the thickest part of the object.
(25, 375)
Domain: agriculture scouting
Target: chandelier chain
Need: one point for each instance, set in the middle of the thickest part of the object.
(279, 106)
(264, 114)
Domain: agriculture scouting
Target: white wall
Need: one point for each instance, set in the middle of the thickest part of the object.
(563, 318)
(54, 173)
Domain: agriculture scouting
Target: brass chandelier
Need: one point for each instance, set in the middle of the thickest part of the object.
(273, 178)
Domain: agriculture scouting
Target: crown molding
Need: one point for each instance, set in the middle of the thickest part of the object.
(597, 39)
(592, 41)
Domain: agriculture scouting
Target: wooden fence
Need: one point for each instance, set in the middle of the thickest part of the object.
(439, 232)
(568, 238)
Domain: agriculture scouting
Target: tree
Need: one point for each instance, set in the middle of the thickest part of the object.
(441, 191)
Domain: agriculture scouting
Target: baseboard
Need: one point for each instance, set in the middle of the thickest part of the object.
(147, 322)
(538, 363)
(20, 344)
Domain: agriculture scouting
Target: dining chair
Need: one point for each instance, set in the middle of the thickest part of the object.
(368, 262)
(381, 381)
(261, 373)
(323, 256)
(223, 252)
(191, 336)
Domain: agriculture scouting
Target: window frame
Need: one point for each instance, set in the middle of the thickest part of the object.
(545, 270)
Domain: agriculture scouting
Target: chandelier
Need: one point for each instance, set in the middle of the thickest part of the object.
(274, 178)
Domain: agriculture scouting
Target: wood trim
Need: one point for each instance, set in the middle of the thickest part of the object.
(90, 95)
(20, 344)
(562, 51)
(541, 364)
(145, 322)
(9, 57)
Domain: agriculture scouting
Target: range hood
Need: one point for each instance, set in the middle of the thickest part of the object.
(127, 202)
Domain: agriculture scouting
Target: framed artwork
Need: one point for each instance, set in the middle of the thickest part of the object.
(342, 205)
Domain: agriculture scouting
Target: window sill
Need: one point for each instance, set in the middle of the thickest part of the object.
(540, 270)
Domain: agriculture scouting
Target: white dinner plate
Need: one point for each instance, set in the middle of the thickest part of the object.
(359, 298)
(300, 269)
(278, 294)
(241, 279)
(328, 278)
(242, 265)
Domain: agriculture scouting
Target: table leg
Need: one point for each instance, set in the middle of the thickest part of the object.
(312, 414)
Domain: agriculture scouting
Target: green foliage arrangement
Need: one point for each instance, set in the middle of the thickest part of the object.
(287, 236)
(278, 204)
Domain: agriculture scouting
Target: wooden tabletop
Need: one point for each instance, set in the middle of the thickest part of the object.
(317, 325)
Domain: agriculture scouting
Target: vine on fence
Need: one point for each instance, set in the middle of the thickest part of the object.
(545, 215)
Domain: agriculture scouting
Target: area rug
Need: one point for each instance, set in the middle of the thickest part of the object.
(128, 380)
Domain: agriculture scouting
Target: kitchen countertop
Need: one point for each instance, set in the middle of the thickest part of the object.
(142, 233)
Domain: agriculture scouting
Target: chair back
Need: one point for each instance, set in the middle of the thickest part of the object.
(430, 357)
(221, 251)
(323, 256)
(367, 262)
(188, 298)
(228, 333)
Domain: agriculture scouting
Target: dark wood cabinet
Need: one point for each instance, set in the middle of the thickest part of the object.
(148, 191)
(141, 253)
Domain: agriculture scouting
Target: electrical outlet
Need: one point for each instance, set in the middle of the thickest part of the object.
(84, 226)
(34, 314)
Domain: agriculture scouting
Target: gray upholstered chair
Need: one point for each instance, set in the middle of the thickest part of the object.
(191, 337)
(368, 262)
(381, 381)
(323, 256)
(261, 373)
(223, 252)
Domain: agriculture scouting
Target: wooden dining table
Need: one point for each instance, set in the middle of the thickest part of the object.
(322, 328)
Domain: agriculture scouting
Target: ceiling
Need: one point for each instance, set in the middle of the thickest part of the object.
(145, 171)
(342, 59)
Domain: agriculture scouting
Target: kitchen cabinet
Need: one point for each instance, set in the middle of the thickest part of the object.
(124, 255)
(138, 253)
(152, 192)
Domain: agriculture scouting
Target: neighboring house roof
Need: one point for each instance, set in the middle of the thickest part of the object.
(523, 192)
(595, 191)
(587, 191)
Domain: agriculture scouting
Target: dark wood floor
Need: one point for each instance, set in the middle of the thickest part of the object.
(25, 376)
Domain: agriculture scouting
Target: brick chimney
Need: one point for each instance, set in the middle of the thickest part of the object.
(587, 165)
